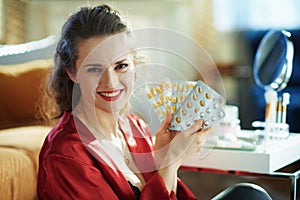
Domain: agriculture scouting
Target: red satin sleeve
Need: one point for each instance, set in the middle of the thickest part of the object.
(155, 187)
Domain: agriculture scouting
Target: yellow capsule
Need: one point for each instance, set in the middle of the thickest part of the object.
(179, 98)
(202, 103)
(174, 100)
(149, 95)
(180, 89)
(186, 87)
(162, 98)
(173, 109)
(168, 107)
(159, 102)
(168, 85)
(199, 89)
(194, 97)
(158, 89)
(192, 85)
(155, 105)
(184, 97)
(175, 86)
(188, 104)
(164, 112)
(153, 92)
(196, 110)
(169, 98)
(178, 120)
(158, 112)
(183, 111)
(207, 95)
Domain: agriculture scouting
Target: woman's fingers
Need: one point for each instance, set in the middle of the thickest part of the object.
(165, 124)
(196, 127)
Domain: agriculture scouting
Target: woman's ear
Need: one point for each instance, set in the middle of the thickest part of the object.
(72, 76)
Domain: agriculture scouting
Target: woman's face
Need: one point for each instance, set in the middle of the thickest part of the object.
(105, 72)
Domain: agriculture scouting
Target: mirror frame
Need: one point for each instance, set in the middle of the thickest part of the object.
(281, 80)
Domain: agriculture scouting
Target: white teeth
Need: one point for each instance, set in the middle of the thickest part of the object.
(112, 94)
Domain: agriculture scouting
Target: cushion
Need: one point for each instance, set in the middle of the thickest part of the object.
(19, 151)
(17, 175)
(21, 86)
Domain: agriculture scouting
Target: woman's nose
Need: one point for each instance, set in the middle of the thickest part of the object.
(109, 78)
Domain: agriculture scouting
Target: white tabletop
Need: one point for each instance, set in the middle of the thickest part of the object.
(279, 153)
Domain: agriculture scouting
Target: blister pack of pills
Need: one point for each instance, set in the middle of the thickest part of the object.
(188, 101)
(160, 97)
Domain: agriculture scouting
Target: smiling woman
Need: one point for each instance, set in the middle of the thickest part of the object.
(110, 73)
(99, 150)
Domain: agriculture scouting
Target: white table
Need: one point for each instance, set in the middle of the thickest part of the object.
(278, 154)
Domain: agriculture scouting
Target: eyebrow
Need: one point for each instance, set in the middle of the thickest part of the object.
(120, 61)
(99, 65)
(93, 65)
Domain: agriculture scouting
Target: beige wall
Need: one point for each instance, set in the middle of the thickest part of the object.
(193, 18)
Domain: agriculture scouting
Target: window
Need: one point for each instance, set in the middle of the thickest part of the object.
(255, 14)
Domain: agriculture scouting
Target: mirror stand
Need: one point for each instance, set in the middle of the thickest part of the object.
(272, 70)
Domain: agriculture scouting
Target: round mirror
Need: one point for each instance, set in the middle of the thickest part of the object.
(273, 61)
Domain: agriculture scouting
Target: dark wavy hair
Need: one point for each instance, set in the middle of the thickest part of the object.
(86, 23)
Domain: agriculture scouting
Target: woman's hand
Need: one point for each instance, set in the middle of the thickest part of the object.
(172, 147)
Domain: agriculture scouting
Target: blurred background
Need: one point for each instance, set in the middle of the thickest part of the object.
(229, 30)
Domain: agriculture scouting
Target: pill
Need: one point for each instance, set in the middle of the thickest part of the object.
(159, 102)
(162, 98)
(194, 97)
(202, 103)
(175, 86)
(174, 100)
(188, 123)
(178, 120)
(158, 112)
(158, 89)
(207, 95)
(215, 105)
(199, 89)
(186, 87)
(173, 108)
(196, 110)
(220, 114)
(202, 114)
(213, 118)
(188, 104)
(162, 85)
(179, 98)
(183, 111)
(168, 108)
(149, 95)
(208, 110)
(155, 105)
(153, 92)
(206, 123)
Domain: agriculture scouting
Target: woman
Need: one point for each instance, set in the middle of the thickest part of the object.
(98, 150)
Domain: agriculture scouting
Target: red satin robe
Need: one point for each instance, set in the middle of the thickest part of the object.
(68, 170)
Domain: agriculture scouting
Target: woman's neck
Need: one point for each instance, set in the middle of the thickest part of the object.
(98, 120)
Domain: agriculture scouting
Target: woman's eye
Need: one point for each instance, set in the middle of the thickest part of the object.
(95, 70)
(122, 67)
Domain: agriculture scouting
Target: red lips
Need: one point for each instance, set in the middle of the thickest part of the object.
(112, 95)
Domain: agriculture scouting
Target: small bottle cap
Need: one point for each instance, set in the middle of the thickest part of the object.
(285, 98)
